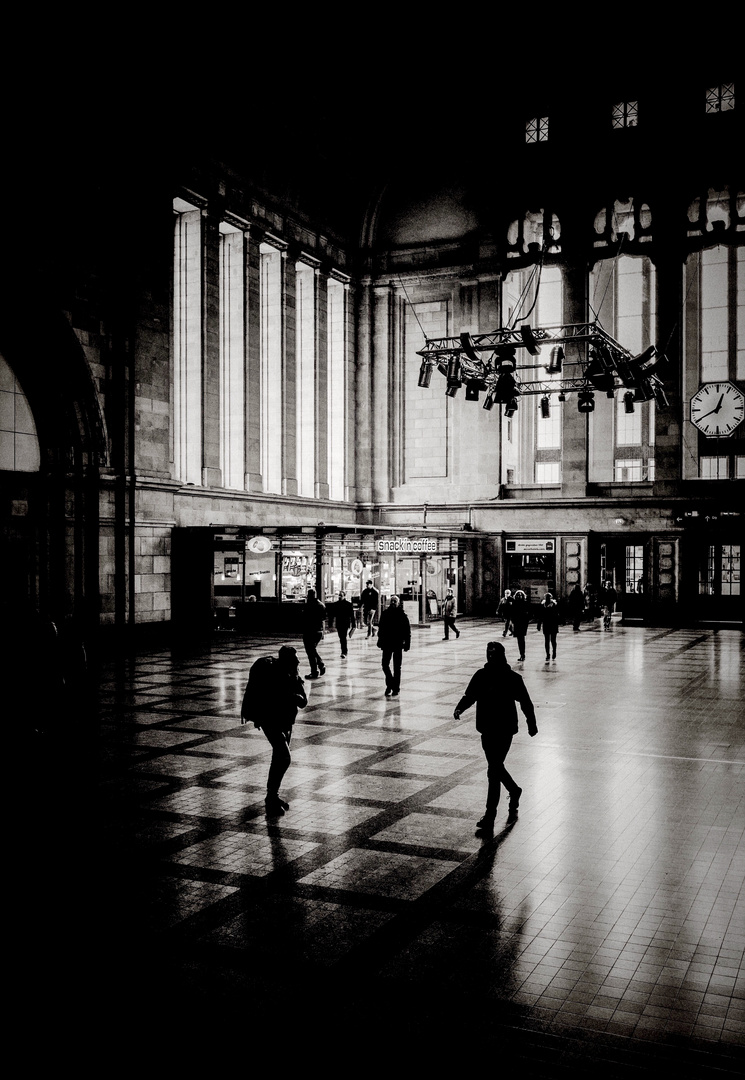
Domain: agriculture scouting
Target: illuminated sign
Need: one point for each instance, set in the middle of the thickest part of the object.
(530, 547)
(401, 545)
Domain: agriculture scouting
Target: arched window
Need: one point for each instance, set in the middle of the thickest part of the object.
(19, 443)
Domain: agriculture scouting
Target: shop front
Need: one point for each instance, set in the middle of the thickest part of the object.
(260, 579)
(530, 565)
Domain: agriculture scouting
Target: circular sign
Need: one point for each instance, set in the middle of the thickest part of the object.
(259, 544)
(356, 567)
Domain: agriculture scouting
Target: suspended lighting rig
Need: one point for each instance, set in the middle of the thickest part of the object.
(503, 366)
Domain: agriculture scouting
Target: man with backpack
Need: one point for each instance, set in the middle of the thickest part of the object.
(273, 695)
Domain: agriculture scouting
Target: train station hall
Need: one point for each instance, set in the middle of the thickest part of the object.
(435, 387)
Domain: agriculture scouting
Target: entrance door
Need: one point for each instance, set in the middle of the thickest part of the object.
(624, 562)
(719, 591)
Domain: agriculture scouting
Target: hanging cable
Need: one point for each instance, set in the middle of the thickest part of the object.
(408, 301)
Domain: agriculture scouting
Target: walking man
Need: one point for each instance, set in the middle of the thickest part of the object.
(344, 618)
(449, 616)
(369, 599)
(576, 604)
(495, 688)
(394, 638)
(314, 621)
(273, 695)
(505, 610)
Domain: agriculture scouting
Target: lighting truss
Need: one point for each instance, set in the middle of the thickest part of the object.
(503, 364)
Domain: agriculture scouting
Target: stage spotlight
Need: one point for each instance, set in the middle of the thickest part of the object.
(545, 407)
(562, 396)
(489, 401)
(466, 342)
(600, 369)
(425, 374)
(452, 390)
(453, 371)
(472, 389)
(505, 388)
(610, 394)
(511, 407)
(556, 359)
(585, 401)
(506, 357)
(628, 402)
(529, 340)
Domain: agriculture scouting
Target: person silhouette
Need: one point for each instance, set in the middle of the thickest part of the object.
(394, 638)
(494, 689)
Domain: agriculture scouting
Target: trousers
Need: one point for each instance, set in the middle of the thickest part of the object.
(496, 747)
(310, 641)
(281, 758)
(392, 678)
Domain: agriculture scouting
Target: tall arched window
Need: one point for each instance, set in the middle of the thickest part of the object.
(531, 442)
(305, 299)
(271, 368)
(622, 432)
(19, 443)
(187, 342)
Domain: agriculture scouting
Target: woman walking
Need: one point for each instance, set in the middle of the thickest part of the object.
(520, 620)
(548, 620)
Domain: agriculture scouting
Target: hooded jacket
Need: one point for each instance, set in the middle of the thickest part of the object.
(394, 629)
(494, 689)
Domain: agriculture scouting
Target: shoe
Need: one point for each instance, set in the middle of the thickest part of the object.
(486, 822)
(457, 633)
(316, 676)
(283, 804)
(547, 659)
(515, 800)
(521, 657)
(343, 656)
(388, 691)
(322, 670)
(273, 805)
(554, 656)
(446, 639)
(395, 693)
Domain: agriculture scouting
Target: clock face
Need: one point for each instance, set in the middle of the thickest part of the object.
(717, 409)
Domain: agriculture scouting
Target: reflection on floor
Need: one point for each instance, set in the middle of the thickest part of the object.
(604, 930)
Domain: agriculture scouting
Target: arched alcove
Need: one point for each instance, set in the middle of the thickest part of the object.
(49, 489)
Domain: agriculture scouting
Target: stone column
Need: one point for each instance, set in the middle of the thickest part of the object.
(381, 392)
(574, 428)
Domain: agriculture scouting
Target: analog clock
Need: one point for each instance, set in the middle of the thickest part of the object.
(717, 409)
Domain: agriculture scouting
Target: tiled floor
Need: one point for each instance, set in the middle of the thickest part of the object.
(602, 933)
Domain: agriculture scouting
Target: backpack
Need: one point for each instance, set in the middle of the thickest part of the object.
(260, 680)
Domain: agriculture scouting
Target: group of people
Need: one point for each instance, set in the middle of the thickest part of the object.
(515, 610)
(275, 693)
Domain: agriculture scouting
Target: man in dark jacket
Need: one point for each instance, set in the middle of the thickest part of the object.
(272, 698)
(314, 621)
(344, 618)
(576, 604)
(495, 688)
(394, 638)
(369, 598)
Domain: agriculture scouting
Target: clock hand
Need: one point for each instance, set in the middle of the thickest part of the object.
(709, 413)
(719, 404)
